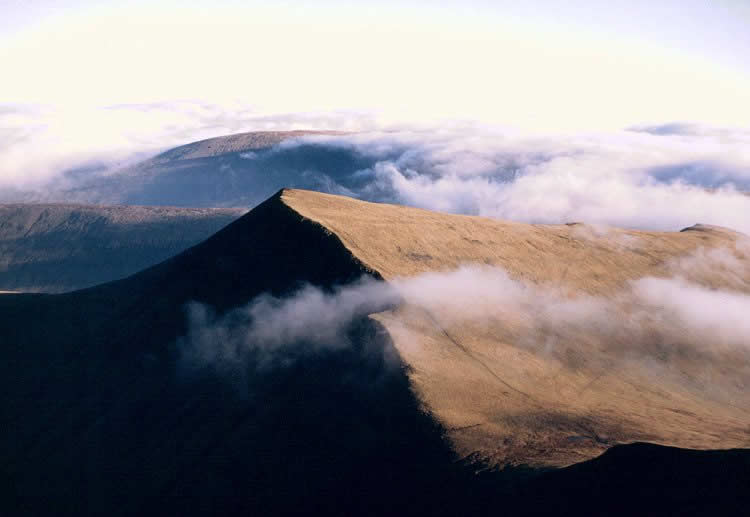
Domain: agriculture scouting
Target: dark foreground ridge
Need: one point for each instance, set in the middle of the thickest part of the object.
(102, 419)
(643, 479)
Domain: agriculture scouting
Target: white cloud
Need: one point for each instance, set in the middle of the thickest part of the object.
(657, 323)
(627, 179)
(664, 179)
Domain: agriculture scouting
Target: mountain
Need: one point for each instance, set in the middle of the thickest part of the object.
(62, 247)
(512, 403)
(145, 396)
(239, 170)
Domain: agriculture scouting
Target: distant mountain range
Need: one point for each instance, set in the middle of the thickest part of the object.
(148, 395)
(62, 247)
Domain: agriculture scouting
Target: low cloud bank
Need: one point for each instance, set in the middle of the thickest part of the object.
(633, 179)
(663, 177)
(668, 322)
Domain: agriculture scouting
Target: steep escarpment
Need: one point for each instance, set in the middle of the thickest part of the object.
(54, 248)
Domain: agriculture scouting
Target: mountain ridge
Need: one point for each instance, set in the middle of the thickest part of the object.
(107, 419)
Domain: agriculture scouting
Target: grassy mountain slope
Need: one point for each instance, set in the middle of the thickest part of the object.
(514, 403)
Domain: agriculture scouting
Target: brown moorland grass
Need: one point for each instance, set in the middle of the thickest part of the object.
(503, 401)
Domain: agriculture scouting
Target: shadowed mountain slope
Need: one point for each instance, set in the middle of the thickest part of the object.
(105, 417)
(103, 420)
(55, 248)
(643, 479)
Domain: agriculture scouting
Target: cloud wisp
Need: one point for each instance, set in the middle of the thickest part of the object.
(664, 322)
(271, 331)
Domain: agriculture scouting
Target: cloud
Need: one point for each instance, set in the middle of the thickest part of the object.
(270, 330)
(689, 129)
(626, 179)
(719, 267)
(661, 178)
(639, 320)
(715, 320)
(676, 324)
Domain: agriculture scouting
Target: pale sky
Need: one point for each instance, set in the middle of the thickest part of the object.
(546, 65)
